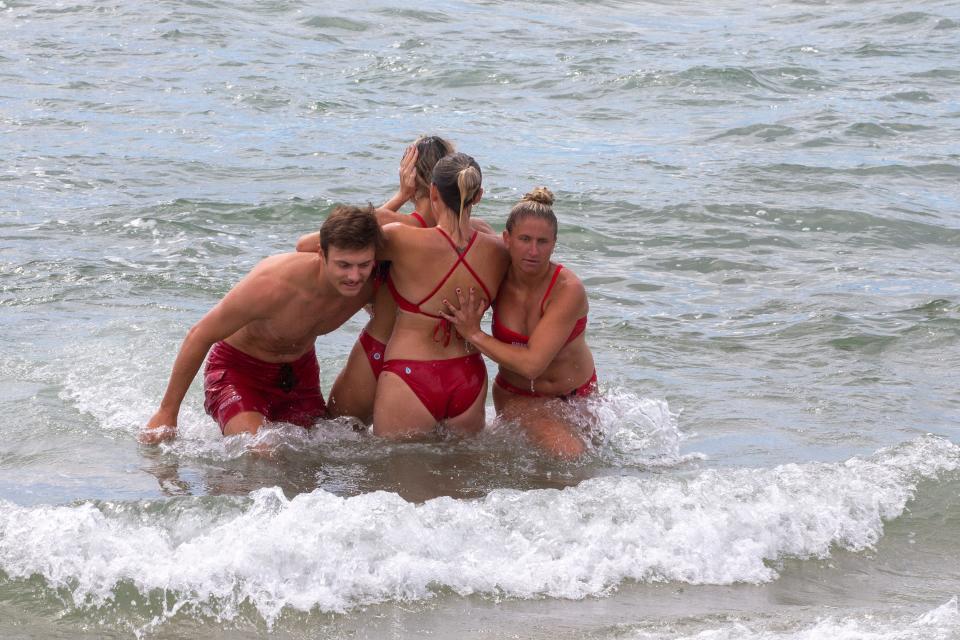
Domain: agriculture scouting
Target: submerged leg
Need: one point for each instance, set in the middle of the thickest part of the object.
(244, 422)
(543, 423)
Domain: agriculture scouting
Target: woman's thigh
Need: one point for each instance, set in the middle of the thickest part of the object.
(355, 388)
(545, 423)
(473, 420)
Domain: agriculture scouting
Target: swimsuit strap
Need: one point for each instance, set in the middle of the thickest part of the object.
(414, 307)
(453, 267)
(504, 333)
(443, 327)
(553, 281)
(402, 302)
(580, 325)
(419, 218)
(461, 259)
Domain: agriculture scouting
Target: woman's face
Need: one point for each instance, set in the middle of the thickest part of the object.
(530, 244)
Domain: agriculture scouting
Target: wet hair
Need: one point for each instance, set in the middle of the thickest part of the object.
(458, 181)
(351, 228)
(536, 204)
(430, 149)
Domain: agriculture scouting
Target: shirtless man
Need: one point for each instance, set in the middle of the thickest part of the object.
(262, 365)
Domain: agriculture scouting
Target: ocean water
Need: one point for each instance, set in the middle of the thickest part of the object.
(763, 200)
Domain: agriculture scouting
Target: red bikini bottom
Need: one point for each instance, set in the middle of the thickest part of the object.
(374, 350)
(587, 388)
(446, 388)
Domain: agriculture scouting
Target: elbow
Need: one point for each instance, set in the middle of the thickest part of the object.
(197, 338)
(193, 334)
(308, 243)
(531, 369)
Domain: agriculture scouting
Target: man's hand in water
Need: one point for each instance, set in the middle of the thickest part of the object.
(161, 427)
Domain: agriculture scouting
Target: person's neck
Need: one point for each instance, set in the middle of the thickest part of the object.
(458, 228)
(531, 280)
(425, 210)
(323, 287)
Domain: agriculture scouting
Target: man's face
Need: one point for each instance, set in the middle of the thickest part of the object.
(349, 269)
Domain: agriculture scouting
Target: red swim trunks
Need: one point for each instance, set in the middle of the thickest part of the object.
(234, 382)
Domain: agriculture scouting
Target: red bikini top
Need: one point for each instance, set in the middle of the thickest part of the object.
(414, 307)
(419, 218)
(505, 334)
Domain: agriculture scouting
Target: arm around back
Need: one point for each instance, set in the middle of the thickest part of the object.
(548, 337)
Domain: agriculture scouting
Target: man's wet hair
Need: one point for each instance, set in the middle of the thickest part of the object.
(351, 228)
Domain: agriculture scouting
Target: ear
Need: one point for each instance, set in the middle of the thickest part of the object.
(435, 200)
(506, 237)
(477, 197)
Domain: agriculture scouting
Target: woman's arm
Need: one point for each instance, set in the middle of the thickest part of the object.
(548, 337)
(310, 242)
(408, 183)
(392, 239)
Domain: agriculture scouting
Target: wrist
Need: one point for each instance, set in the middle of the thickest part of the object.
(169, 408)
(394, 203)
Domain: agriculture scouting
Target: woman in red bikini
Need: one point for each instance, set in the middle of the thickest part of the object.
(538, 331)
(430, 374)
(353, 392)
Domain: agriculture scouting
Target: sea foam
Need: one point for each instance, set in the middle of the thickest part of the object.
(319, 551)
(941, 623)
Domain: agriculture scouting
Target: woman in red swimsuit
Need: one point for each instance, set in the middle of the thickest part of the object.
(430, 374)
(538, 331)
(353, 392)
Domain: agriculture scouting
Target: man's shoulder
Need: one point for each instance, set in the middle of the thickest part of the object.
(284, 264)
(273, 272)
(288, 258)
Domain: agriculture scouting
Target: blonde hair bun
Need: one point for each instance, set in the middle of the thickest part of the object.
(540, 195)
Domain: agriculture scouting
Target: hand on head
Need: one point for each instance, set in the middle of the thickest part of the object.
(408, 172)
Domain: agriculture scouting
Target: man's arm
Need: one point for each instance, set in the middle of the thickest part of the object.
(250, 300)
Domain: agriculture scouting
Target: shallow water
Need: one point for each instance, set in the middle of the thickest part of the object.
(762, 201)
